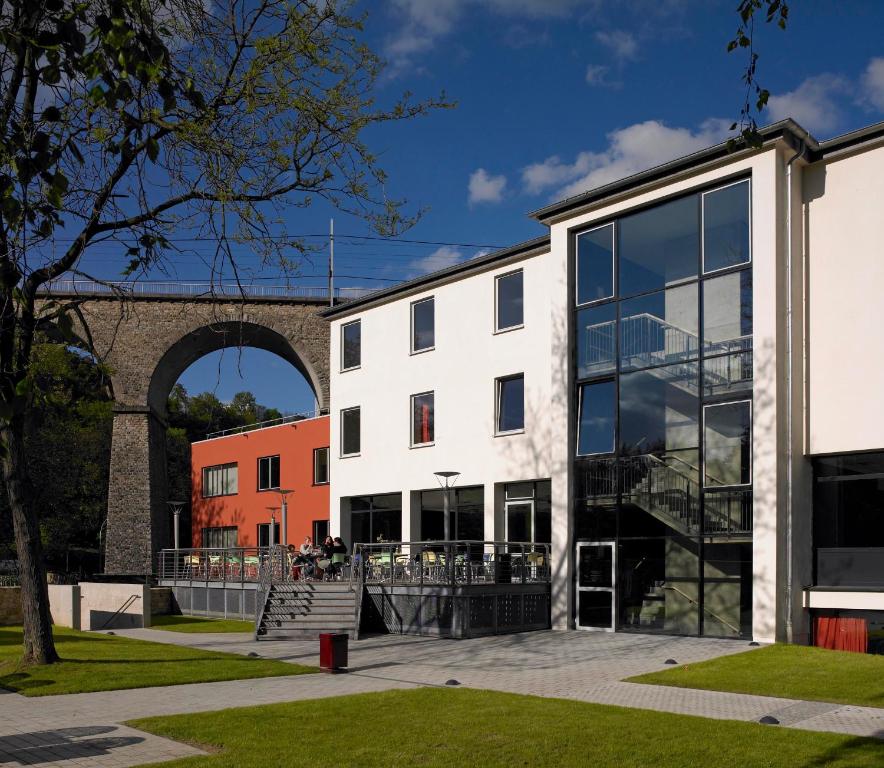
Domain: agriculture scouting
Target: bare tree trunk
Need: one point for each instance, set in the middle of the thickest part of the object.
(39, 647)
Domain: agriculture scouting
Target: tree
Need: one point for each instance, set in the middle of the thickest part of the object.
(774, 11)
(126, 120)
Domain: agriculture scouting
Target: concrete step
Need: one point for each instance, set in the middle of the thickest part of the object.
(301, 634)
(313, 586)
(308, 620)
(311, 599)
(278, 610)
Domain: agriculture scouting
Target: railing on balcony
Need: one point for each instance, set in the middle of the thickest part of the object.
(451, 563)
(220, 565)
(667, 488)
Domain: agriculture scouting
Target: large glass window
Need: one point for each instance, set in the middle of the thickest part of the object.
(727, 313)
(597, 410)
(423, 431)
(220, 480)
(320, 466)
(509, 290)
(529, 512)
(351, 345)
(423, 325)
(659, 328)
(376, 518)
(848, 504)
(265, 534)
(467, 514)
(659, 246)
(726, 232)
(727, 444)
(351, 438)
(511, 403)
(268, 473)
(596, 340)
(595, 264)
(224, 537)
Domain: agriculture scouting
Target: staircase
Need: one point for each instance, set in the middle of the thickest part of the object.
(305, 609)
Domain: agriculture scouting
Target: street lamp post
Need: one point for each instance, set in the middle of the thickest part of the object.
(445, 477)
(272, 525)
(176, 507)
(283, 493)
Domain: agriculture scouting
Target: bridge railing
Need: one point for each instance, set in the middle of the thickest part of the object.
(197, 290)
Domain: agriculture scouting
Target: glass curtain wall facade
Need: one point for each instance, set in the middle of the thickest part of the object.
(662, 330)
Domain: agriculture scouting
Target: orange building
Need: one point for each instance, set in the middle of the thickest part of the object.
(236, 482)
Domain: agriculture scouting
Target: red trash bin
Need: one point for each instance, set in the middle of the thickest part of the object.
(333, 651)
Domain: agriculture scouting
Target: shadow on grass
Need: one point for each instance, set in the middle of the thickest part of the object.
(849, 751)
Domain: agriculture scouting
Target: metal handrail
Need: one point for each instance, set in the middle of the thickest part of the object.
(697, 603)
(265, 424)
(198, 289)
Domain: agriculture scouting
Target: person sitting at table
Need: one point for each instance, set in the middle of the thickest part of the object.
(306, 557)
(338, 546)
(326, 551)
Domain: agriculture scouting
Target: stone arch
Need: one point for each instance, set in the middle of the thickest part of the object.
(206, 339)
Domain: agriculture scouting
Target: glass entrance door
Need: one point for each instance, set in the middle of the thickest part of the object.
(596, 582)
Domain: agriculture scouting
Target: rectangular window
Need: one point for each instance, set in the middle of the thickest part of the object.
(220, 537)
(320, 466)
(220, 480)
(423, 325)
(268, 473)
(727, 444)
(528, 512)
(351, 345)
(467, 514)
(659, 246)
(726, 232)
(596, 340)
(264, 534)
(595, 264)
(727, 313)
(511, 403)
(320, 531)
(376, 518)
(422, 419)
(659, 328)
(597, 408)
(350, 432)
(509, 301)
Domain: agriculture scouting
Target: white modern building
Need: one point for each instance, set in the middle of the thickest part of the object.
(677, 388)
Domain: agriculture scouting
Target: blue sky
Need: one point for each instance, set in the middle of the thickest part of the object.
(555, 97)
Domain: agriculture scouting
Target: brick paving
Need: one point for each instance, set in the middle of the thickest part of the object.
(83, 729)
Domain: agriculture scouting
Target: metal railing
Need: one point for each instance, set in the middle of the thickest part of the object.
(224, 565)
(451, 563)
(198, 290)
(264, 424)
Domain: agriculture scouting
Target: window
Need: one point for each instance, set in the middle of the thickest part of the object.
(351, 345)
(659, 246)
(597, 407)
(220, 538)
(320, 466)
(659, 328)
(509, 301)
(268, 473)
(511, 403)
(264, 534)
(376, 518)
(350, 432)
(529, 512)
(727, 444)
(467, 514)
(220, 480)
(595, 264)
(726, 227)
(320, 531)
(423, 325)
(422, 419)
(596, 340)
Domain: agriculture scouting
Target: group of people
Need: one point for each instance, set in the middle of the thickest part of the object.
(315, 561)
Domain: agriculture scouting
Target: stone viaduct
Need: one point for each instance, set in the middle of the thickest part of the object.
(148, 339)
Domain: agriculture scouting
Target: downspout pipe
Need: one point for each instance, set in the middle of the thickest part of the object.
(799, 152)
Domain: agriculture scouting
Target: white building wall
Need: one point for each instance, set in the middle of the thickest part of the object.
(461, 370)
(845, 256)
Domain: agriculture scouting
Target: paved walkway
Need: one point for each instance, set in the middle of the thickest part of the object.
(83, 729)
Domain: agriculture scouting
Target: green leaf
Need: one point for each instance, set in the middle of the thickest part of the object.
(153, 149)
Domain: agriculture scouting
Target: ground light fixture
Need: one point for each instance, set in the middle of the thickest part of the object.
(446, 481)
(176, 507)
(283, 493)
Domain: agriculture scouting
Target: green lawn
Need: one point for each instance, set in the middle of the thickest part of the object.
(789, 671)
(461, 727)
(93, 662)
(200, 624)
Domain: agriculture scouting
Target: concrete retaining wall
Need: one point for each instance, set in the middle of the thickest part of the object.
(162, 603)
(10, 605)
(101, 601)
(64, 605)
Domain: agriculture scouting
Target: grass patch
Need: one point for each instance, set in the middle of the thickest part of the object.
(787, 671)
(443, 727)
(93, 662)
(200, 624)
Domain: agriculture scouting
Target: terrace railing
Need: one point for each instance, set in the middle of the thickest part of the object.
(225, 565)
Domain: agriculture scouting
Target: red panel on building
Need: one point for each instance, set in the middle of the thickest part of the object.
(233, 487)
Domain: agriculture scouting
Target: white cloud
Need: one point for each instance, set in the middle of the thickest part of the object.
(813, 104)
(444, 256)
(622, 44)
(485, 188)
(597, 74)
(872, 83)
(630, 150)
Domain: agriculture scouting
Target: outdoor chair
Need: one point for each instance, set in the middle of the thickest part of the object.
(339, 561)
